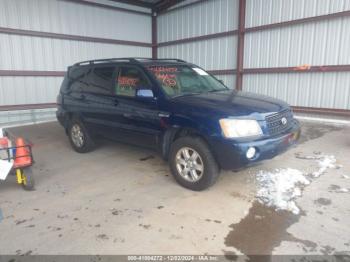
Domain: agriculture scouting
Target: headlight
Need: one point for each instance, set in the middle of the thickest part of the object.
(235, 128)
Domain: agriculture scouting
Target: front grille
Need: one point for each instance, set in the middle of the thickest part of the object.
(275, 123)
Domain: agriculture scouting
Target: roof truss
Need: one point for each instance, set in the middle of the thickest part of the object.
(158, 6)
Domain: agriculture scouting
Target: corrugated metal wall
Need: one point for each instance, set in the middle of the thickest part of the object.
(316, 44)
(207, 17)
(46, 54)
(320, 90)
(263, 12)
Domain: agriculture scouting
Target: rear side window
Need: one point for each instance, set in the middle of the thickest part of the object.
(129, 79)
(77, 73)
(77, 78)
(100, 80)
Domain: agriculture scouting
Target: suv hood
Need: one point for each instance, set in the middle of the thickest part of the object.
(230, 103)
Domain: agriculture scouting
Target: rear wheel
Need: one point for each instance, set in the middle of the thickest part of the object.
(192, 164)
(79, 137)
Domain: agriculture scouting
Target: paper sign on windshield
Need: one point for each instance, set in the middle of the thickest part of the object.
(200, 71)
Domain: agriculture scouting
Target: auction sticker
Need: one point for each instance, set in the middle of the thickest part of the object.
(200, 71)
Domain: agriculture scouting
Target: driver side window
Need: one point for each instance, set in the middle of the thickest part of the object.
(130, 79)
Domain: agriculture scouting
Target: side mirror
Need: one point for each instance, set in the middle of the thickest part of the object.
(144, 93)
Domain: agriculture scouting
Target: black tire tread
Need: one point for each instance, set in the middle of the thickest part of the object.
(30, 182)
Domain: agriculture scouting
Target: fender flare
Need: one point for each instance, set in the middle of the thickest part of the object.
(166, 140)
(170, 134)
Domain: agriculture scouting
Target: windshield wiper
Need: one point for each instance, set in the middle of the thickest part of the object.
(217, 90)
(187, 94)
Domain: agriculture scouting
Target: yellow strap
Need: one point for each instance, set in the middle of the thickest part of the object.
(19, 176)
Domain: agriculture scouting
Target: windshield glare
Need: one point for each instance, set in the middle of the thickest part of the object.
(185, 80)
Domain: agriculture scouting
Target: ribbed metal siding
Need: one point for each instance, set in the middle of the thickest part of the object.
(229, 80)
(210, 54)
(208, 17)
(29, 90)
(321, 43)
(205, 18)
(36, 53)
(73, 18)
(316, 44)
(262, 12)
(327, 90)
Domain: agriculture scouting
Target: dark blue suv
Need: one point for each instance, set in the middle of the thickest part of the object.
(196, 123)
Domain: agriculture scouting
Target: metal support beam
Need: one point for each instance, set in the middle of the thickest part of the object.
(163, 5)
(322, 111)
(134, 2)
(154, 35)
(84, 2)
(27, 107)
(198, 38)
(240, 48)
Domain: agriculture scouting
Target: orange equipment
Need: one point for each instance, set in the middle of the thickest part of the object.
(23, 157)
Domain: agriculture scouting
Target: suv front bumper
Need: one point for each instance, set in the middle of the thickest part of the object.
(231, 155)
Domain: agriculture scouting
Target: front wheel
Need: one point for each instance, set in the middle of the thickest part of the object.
(192, 164)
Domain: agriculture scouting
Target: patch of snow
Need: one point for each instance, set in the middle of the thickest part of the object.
(279, 188)
(324, 163)
(346, 177)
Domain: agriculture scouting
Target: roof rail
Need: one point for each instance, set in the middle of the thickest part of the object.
(129, 59)
(160, 59)
(95, 61)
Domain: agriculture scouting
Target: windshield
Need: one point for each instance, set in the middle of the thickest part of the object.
(185, 80)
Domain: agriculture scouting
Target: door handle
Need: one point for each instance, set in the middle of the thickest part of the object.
(160, 114)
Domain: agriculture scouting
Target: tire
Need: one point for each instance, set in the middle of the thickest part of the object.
(206, 162)
(28, 183)
(82, 143)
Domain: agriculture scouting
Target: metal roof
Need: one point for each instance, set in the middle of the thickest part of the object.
(156, 5)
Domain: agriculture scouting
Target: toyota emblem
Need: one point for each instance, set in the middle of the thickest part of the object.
(284, 121)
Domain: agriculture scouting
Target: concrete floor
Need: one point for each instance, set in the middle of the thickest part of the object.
(111, 202)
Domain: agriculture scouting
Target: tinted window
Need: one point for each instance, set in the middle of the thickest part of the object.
(129, 79)
(77, 78)
(77, 73)
(100, 80)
